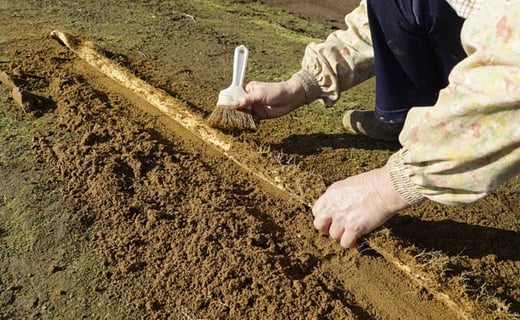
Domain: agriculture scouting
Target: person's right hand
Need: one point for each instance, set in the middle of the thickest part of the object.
(269, 100)
(357, 205)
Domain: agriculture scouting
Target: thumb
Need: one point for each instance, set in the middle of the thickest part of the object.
(252, 96)
(244, 101)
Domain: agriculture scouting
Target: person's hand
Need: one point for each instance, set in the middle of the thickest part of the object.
(269, 100)
(357, 205)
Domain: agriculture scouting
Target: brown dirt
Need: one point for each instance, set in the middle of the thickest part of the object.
(109, 209)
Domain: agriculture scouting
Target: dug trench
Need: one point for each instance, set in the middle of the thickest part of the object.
(182, 232)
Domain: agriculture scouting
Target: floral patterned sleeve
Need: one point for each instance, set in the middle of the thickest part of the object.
(343, 60)
(468, 143)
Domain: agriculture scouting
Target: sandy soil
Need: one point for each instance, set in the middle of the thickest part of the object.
(109, 209)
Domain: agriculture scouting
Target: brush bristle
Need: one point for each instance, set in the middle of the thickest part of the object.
(231, 118)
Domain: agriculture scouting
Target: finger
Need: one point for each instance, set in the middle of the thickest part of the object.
(336, 230)
(251, 86)
(348, 240)
(322, 223)
(245, 101)
(259, 111)
(254, 95)
(318, 206)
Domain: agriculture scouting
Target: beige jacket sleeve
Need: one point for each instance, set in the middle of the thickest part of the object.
(343, 60)
(468, 143)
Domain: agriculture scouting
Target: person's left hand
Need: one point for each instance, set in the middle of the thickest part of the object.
(357, 205)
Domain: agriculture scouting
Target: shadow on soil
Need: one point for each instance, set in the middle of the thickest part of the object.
(307, 144)
(458, 238)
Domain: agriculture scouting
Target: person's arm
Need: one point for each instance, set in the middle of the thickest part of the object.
(468, 143)
(343, 60)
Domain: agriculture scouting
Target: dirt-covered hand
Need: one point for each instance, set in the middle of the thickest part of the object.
(357, 205)
(272, 99)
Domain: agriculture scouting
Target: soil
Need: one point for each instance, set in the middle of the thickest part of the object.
(111, 210)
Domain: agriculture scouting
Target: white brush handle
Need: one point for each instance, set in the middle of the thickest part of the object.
(236, 90)
(239, 66)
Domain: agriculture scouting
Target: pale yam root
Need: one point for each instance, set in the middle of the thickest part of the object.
(7, 80)
(426, 269)
(26, 100)
(286, 179)
(420, 278)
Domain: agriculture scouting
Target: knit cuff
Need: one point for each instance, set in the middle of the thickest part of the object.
(401, 180)
(310, 86)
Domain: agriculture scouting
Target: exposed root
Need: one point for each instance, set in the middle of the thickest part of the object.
(28, 101)
(428, 269)
(187, 16)
(300, 186)
(7, 80)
